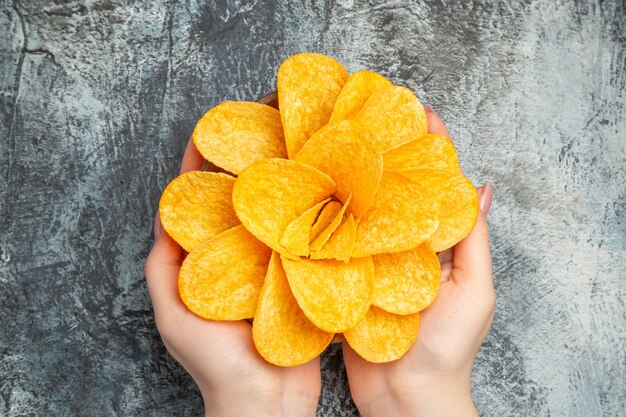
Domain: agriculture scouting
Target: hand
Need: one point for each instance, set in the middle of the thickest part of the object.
(433, 377)
(220, 356)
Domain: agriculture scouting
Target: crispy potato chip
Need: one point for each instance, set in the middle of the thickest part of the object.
(406, 282)
(270, 194)
(342, 151)
(458, 200)
(196, 206)
(403, 216)
(308, 86)
(325, 234)
(394, 115)
(235, 134)
(428, 151)
(221, 279)
(326, 218)
(334, 295)
(355, 93)
(282, 334)
(296, 237)
(339, 245)
(382, 336)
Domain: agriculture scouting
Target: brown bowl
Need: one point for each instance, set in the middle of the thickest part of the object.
(270, 99)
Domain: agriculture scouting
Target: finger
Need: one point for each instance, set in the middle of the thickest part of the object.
(435, 124)
(161, 270)
(165, 259)
(158, 227)
(357, 366)
(472, 256)
(351, 357)
(445, 261)
(192, 159)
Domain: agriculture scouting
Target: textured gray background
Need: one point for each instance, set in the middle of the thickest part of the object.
(99, 97)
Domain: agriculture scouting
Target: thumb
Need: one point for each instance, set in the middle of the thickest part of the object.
(472, 255)
(435, 124)
(161, 271)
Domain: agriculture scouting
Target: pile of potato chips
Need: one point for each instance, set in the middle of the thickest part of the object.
(329, 219)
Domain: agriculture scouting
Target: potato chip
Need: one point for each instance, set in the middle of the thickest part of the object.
(308, 86)
(235, 134)
(355, 93)
(428, 151)
(406, 282)
(394, 116)
(458, 200)
(221, 279)
(296, 237)
(325, 219)
(270, 194)
(403, 216)
(334, 295)
(196, 206)
(382, 336)
(282, 334)
(323, 236)
(329, 224)
(342, 151)
(339, 245)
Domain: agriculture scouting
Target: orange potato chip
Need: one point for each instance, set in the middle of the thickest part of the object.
(428, 151)
(308, 86)
(235, 134)
(323, 236)
(458, 201)
(339, 245)
(270, 194)
(282, 334)
(403, 216)
(296, 237)
(196, 206)
(221, 279)
(325, 220)
(382, 336)
(354, 218)
(394, 115)
(406, 282)
(342, 151)
(334, 295)
(355, 93)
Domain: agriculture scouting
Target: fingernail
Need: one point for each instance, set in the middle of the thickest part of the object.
(428, 107)
(158, 227)
(485, 198)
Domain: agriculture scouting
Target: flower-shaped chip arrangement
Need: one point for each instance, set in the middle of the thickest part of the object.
(329, 219)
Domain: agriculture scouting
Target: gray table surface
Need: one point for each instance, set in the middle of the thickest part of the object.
(99, 97)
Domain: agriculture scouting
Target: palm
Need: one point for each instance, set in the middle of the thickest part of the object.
(220, 356)
(224, 353)
(450, 333)
(451, 329)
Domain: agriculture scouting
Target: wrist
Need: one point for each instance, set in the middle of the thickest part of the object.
(442, 396)
(288, 404)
